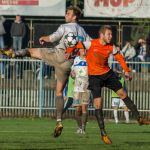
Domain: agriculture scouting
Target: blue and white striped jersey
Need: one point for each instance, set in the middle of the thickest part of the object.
(81, 74)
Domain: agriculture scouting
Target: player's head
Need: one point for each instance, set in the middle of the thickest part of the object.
(73, 14)
(82, 52)
(105, 33)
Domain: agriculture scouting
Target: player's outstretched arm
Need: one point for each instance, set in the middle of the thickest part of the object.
(122, 62)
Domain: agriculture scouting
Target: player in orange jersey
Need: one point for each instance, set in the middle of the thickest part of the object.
(100, 75)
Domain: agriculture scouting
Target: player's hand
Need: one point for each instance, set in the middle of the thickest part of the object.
(72, 74)
(128, 76)
(41, 40)
(44, 39)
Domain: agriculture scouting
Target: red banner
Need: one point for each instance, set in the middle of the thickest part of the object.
(19, 2)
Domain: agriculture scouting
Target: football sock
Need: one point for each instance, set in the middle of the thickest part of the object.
(84, 120)
(22, 53)
(126, 114)
(59, 107)
(116, 115)
(68, 104)
(79, 119)
(100, 120)
(129, 103)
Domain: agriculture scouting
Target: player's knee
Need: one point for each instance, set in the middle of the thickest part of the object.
(122, 94)
(98, 103)
(35, 53)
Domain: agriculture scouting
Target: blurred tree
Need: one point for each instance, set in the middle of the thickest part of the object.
(142, 30)
(75, 2)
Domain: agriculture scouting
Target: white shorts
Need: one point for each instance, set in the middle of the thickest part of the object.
(81, 98)
(117, 102)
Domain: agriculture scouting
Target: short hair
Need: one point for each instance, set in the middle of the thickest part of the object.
(104, 28)
(76, 10)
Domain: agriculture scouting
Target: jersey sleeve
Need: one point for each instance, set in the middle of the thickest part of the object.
(122, 62)
(55, 36)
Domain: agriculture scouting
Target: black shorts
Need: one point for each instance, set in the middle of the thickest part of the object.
(109, 80)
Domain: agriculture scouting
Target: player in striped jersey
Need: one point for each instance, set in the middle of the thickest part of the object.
(81, 93)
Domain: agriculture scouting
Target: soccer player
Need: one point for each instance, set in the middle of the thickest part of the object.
(55, 57)
(117, 102)
(81, 93)
(100, 75)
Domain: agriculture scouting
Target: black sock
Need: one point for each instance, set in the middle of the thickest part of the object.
(100, 120)
(68, 104)
(22, 53)
(129, 103)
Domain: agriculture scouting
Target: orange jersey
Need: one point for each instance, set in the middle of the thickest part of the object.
(97, 58)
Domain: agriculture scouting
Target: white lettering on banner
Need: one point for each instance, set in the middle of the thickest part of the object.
(18, 2)
(112, 8)
(33, 7)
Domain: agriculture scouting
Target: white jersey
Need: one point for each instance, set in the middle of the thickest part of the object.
(81, 74)
(65, 29)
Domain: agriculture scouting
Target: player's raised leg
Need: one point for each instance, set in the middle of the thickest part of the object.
(129, 103)
(28, 52)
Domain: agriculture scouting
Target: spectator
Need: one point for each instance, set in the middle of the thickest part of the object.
(2, 45)
(140, 54)
(128, 51)
(18, 32)
(141, 50)
(117, 102)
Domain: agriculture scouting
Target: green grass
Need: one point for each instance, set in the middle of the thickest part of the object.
(36, 134)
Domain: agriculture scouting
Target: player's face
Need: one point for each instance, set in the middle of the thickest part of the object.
(70, 17)
(82, 52)
(107, 36)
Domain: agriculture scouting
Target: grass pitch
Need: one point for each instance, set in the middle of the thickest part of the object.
(36, 134)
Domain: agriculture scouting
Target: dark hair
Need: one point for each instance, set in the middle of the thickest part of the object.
(104, 28)
(76, 10)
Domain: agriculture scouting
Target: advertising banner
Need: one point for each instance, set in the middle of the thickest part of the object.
(33, 7)
(117, 8)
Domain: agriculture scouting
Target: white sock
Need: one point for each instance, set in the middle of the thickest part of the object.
(126, 114)
(116, 115)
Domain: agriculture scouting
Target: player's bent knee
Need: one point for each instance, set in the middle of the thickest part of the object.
(122, 94)
(35, 53)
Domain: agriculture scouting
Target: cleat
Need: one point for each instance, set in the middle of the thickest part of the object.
(143, 121)
(83, 132)
(79, 131)
(9, 53)
(58, 129)
(106, 139)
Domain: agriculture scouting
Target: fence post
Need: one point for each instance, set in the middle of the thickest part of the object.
(41, 89)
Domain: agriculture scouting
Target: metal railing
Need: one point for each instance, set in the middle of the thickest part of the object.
(27, 88)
